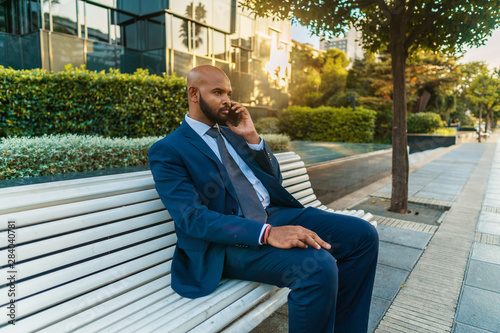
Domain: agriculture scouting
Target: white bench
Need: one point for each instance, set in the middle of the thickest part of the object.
(94, 254)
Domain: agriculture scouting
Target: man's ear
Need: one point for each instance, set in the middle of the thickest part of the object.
(193, 94)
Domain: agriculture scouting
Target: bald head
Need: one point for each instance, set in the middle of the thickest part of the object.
(200, 75)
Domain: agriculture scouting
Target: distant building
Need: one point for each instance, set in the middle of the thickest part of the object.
(349, 44)
(159, 35)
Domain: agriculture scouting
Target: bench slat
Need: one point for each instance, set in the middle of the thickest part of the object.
(22, 190)
(293, 173)
(47, 263)
(45, 230)
(303, 194)
(225, 316)
(288, 158)
(257, 315)
(61, 276)
(295, 180)
(298, 187)
(74, 289)
(158, 313)
(175, 321)
(30, 250)
(75, 306)
(39, 200)
(34, 216)
(291, 166)
(309, 199)
(105, 314)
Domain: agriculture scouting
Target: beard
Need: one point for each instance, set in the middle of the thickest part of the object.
(212, 115)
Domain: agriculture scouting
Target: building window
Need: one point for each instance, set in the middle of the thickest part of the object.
(97, 19)
(219, 45)
(5, 17)
(180, 34)
(63, 13)
(200, 40)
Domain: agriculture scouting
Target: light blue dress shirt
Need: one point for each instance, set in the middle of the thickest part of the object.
(201, 129)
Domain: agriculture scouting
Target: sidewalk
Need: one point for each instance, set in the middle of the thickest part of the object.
(439, 266)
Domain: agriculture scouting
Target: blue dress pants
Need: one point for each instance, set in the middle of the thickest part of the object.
(330, 289)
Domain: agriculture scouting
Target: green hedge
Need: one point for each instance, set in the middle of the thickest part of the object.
(79, 101)
(277, 142)
(425, 122)
(55, 154)
(267, 125)
(328, 124)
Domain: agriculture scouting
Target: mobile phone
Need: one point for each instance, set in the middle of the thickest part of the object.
(233, 117)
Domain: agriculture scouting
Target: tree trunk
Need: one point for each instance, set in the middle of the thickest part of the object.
(400, 164)
(487, 121)
(479, 127)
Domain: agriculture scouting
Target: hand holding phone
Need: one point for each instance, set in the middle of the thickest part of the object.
(233, 117)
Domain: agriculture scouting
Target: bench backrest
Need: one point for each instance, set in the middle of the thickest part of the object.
(86, 249)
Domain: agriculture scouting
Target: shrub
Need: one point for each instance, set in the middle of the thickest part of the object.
(267, 125)
(53, 154)
(79, 101)
(277, 142)
(328, 124)
(425, 122)
(445, 131)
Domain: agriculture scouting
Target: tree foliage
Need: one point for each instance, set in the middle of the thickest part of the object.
(316, 77)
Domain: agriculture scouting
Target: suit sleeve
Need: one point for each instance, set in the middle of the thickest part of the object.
(267, 161)
(191, 215)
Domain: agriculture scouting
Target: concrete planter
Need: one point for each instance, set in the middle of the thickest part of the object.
(421, 142)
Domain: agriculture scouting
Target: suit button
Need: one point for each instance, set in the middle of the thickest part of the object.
(233, 211)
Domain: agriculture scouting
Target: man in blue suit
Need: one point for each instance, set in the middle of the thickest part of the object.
(327, 260)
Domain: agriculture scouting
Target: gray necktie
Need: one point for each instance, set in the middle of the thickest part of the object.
(247, 197)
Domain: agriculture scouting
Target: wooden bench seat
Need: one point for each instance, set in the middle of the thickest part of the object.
(94, 255)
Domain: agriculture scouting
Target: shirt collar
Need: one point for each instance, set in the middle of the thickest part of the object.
(197, 126)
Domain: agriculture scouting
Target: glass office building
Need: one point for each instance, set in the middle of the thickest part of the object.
(163, 36)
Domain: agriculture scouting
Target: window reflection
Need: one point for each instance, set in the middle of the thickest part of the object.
(155, 33)
(180, 34)
(119, 22)
(5, 18)
(183, 63)
(219, 45)
(200, 38)
(246, 31)
(222, 14)
(63, 17)
(69, 51)
(97, 23)
(179, 7)
(203, 11)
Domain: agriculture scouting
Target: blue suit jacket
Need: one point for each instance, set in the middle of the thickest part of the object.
(194, 187)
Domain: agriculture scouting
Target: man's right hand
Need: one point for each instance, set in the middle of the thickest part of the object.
(288, 236)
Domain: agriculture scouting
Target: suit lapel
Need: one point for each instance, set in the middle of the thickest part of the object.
(194, 139)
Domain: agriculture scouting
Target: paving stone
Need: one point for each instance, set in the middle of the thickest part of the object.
(489, 228)
(388, 280)
(489, 217)
(486, 252)
(432, 195)
(403, 236)
(461, 328)
(479, 308)
(483, 275)
(378, 307)
(398, 256)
